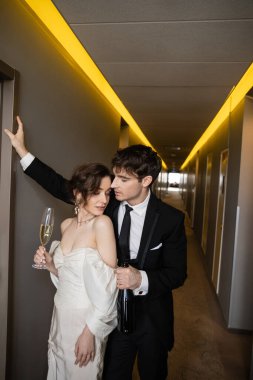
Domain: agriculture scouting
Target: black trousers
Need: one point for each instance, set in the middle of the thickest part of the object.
(121, 352)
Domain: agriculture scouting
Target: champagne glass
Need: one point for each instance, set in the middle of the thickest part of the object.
(46, 229)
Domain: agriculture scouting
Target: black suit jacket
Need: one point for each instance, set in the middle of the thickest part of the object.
(162, 252)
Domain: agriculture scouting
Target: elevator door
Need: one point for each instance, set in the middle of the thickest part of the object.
(220, 219)
(207, 202)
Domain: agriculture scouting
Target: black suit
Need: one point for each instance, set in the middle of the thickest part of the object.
(162, 254)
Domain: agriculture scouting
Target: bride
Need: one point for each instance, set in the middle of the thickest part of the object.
(82, 266)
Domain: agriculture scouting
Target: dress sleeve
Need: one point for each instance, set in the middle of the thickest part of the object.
(100, 283)
(52, 249)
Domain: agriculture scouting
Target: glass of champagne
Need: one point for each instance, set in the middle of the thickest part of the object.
(46, 229)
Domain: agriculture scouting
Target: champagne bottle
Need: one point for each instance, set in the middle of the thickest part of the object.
(125, 309)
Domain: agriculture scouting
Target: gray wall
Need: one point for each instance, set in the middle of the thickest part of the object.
(214, 146)
(133, 138)
(235, 140)
(67, 122)
(241, 311)
(236, 284)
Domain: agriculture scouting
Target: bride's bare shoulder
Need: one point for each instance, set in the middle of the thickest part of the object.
(102, 221)
(66, 223)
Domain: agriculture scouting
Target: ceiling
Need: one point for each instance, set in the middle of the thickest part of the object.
(171, 62)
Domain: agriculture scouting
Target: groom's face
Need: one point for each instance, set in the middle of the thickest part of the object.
(128, 187)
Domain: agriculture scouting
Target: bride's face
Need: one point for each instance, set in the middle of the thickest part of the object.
(96, 203)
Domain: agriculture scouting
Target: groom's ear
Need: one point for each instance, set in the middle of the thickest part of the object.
(146, 181)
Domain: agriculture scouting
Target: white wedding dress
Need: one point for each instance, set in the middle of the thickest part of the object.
(86, 294)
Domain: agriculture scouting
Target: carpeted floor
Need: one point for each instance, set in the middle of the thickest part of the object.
(204, 349)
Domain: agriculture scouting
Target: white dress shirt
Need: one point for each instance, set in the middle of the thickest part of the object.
(26, 160)
(137, 221)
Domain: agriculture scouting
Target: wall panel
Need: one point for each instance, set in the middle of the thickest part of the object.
(235, 281)
(67, 122)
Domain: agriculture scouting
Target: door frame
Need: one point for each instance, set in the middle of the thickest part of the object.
(217, 284)
(8, 78)
(194, 190)
(206, 209)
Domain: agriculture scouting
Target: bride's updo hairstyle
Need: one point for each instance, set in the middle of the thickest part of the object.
(86, 179)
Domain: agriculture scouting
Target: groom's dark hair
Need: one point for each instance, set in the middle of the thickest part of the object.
(140, 160)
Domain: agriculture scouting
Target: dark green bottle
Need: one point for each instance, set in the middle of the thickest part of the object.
(125, 309)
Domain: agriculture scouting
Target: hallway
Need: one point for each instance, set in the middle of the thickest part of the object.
(204, 349)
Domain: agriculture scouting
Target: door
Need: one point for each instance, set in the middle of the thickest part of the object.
(220, 219)
(206, 202)
(194, 185)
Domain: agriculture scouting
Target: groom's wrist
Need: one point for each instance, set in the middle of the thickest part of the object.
(26, 160)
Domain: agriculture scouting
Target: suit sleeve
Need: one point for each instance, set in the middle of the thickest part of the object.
(173, 270)
(51, 181)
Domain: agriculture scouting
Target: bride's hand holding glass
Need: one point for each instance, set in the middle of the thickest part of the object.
(43, 258)
(46, 229)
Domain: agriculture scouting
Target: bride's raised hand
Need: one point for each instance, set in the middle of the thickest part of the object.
(18, 139)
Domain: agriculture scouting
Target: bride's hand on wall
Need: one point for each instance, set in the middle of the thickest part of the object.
(18, 140)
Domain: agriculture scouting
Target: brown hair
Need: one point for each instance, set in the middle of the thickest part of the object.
(87, 178)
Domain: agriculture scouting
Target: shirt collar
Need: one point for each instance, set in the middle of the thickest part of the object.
(140, 209)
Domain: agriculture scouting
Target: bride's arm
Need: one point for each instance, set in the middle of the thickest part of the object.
(100, 280)
(105, 240)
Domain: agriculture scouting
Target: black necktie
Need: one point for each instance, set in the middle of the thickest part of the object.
(124, 235)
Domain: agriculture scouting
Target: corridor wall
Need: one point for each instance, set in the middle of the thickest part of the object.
(235, 278)
(67, 122)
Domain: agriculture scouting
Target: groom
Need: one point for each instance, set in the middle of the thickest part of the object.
(157, 256)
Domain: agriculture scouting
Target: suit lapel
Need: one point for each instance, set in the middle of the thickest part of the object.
(151, 219)
(115, 220)
(150, 222)
(112, 211)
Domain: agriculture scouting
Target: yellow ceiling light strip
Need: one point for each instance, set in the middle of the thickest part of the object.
(50, 16)
(236, 95)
